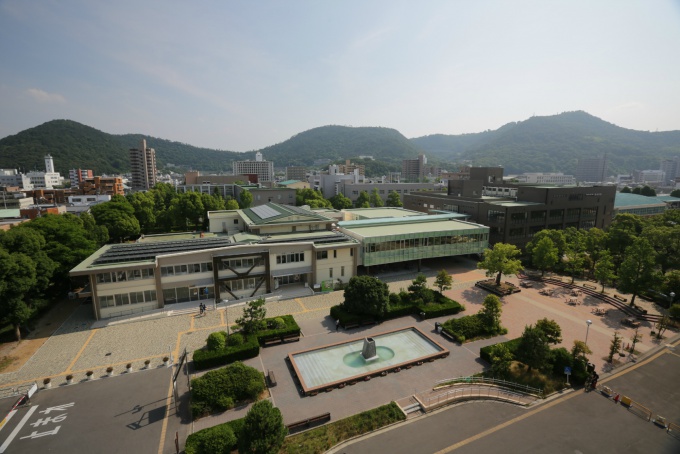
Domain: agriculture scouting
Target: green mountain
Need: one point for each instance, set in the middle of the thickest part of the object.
(74, 145)
(555, 143)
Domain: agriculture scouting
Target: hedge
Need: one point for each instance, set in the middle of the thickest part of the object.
(207, 359)
(291, 328)
(442, 306)
(434, 310)
(339, 313)
(513, 344)
(221, 389)
(204, 441)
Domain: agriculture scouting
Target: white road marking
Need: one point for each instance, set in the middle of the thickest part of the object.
(17, 429)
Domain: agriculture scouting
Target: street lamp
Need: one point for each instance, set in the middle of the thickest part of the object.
(226, 312)
(588, 322)
(672, 295)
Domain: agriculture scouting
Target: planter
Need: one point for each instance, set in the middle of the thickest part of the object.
(89, 374)
(146, 363)
(128, 368)
(48, 383)
(109, 371)
(69, 379)
(166, 361)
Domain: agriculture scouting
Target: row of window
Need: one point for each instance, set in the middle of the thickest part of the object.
(239, 263)
(342, 272)
(178, 270)
(186, 294)
(241, 284)
(321, 255)
(122, 276)
(290, 258)
(423, 242)
(124, 299)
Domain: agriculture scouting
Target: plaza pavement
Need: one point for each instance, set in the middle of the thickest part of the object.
(77, 346)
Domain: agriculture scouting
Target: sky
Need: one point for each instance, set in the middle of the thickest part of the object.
(243, 75)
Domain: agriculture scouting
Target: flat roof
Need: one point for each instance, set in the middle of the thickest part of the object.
(635, 200)
(383, 212)
(515, 204)
(378, 229)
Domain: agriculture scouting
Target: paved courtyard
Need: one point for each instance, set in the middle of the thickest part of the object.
(80, 345)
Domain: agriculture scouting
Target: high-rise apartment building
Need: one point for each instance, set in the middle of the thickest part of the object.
(296, 173)
(671, 169)
(413, 169)
(143, 167)
(77, 176)
(591, 170)
(263, 169)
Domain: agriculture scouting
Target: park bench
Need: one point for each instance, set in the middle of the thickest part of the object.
(351, 325)
(291, 337)
(272, 378)
(307, 423)
(621, 298)
(272, 341)
(448, 336)
(590, 286)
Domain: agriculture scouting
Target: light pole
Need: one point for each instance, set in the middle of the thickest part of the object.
(588, 322)
(672, 295)
(226, 312)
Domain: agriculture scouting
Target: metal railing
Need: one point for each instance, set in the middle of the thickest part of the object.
(488, 392)
(15, 391)
(491, 381)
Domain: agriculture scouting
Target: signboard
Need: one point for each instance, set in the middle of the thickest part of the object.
(567, 370)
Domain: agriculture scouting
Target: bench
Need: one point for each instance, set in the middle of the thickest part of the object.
(291, 337)
(306, 423)
(448, 336)
(621, 298)
(272, 341)
(351, 325)
(272, 378)
(590, 286)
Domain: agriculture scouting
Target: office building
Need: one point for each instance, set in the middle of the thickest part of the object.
(263, 169)
(296, 173)
(591, 170)
(143, 167)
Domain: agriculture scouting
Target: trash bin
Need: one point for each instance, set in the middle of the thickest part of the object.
(422, 315)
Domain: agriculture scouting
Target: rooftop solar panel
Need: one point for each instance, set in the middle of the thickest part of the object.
(120, 253)
(265, 211)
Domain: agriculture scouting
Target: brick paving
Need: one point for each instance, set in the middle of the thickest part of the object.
(77, 347)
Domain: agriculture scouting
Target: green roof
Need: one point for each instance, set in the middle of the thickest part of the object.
(624, 200)
(411, 225)
(384, 212)
(273, 213)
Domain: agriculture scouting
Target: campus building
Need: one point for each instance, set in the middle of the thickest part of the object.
(254, 252)
(516, 212)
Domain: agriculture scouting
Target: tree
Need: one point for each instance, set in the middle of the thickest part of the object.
(253, 316)
(231, 204)
(366, 295)
(375, 199)
(614, 346)
(501, 358)
(245, 199)
(675, 193)
(544, 255)
(533, 349)
(551, 330)
(118, 216)
(340, 202)
(575, 262)
(418, 288)
(501, 260)
(191, 208)
(312, 198)
(647, 191)
(143, 204)
(263, 431)
(97, 233)
(662, 326)
(637, 191)
(393, 199)
(674, 312)
(637, 270)
(626, 190)
(443, 280)
(556, 236)
(580, 348)
(363, 201)
(17, 277)
(604, 270)
(491, 313)
(665, 240)
(636, 337)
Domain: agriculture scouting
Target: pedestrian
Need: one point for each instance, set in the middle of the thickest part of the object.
(616, 399)
(337, 324)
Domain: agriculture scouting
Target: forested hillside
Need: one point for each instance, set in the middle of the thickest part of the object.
(555, 143)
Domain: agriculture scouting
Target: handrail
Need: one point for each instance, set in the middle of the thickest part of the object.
(493, 381)
(470, 392)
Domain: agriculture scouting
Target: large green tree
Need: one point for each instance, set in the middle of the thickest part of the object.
(501, 260)
(533, 349)
(118, 216)
(551, 330)
(556, 236)
(490, 313)
(637, 272)
(245, 199)
(191, 209)
(443, 281)
(544, 255)
(312, 198)
(393, 200)
(340, 202)
(366, 295)
(604, 269)
(363, 201)
(144, 205)
(375, 199)
(263, 431)
(17, 278)
(252, 319)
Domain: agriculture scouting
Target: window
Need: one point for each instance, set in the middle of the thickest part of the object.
(106, 301)
(320, 255)
(330, 272)
(335, 253)
(236, 221)
(342, 271)
(351, 252)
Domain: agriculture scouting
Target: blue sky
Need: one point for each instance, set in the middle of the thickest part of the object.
(242, 75)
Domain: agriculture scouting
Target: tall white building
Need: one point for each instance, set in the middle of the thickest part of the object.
(47, 179)
(263, 169)
(143, 167)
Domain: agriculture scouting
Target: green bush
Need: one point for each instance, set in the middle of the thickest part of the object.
(395, 299)
(339, 313)
(220, 389)
(235, 339)
(289, 327)
(279, 323)
(443, 306)
(512, 345)
(467, 327)
(559, 358)
(400, 311)
(212, 439)
(216, 341)
(207, 359)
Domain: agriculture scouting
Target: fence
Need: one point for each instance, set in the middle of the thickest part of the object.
(13, 392)
(491, 381)
(640, 410)
(476, 392)
(673, 430)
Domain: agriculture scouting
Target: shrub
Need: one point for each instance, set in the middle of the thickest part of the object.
(340, 313)
(216, 340)
(513, 344)
(220, 389)
(289, 326)
(219, 439)
(395, 300)
(278, 323)
(207, 359)
(467, 327)
(442, 306)
(234, 340)
(559, 358)
(263, 430)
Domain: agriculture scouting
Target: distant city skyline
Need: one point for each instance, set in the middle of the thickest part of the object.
(241, 76)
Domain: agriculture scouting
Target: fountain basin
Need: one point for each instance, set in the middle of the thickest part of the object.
(340, 364)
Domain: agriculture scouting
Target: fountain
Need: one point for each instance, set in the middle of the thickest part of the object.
(337, 365)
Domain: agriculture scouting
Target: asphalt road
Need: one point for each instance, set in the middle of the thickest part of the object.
(108, 415)
(576, 422)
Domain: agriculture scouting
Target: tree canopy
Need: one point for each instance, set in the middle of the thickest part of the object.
(366, 295)
(501, 260)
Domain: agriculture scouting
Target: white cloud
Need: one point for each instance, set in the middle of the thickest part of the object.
(42, 96)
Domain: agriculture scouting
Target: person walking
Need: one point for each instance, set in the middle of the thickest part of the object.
(337, 324)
